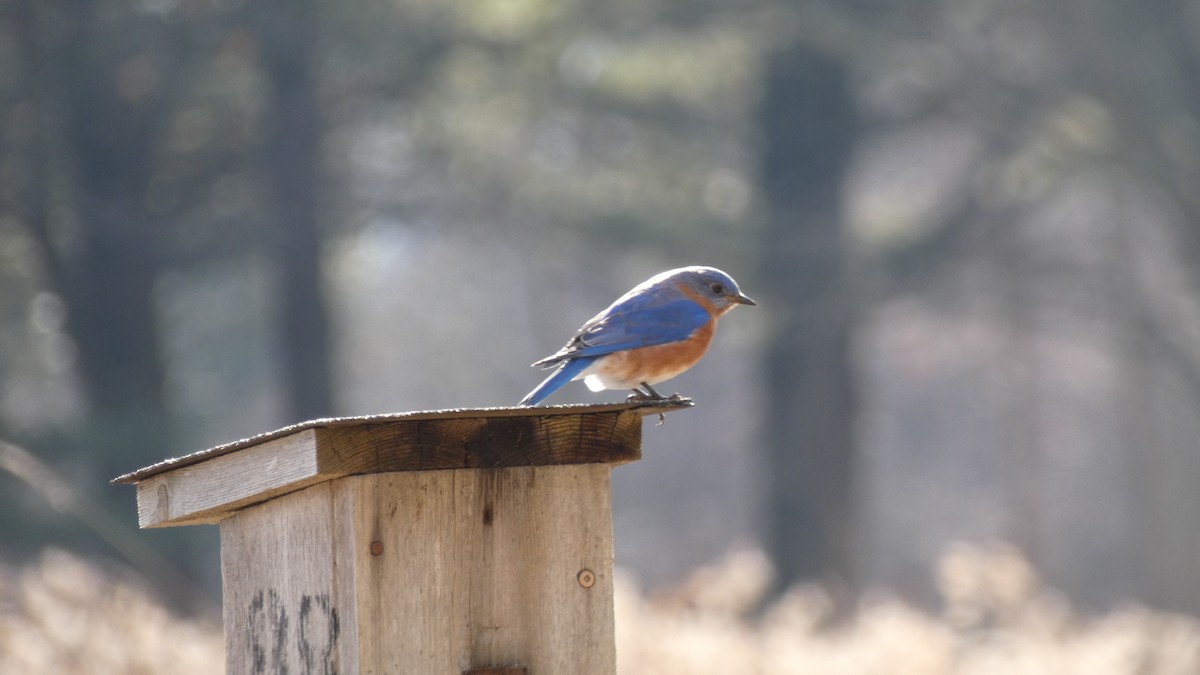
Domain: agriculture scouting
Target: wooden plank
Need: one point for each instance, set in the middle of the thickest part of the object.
(483, 567)
(481, 442)
(641, 408)
(208, 491)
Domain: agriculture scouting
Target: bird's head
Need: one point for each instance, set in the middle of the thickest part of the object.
(713, 287)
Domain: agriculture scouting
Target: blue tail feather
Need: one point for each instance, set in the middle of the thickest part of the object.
(568, 370)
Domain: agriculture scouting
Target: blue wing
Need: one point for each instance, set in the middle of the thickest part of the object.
(638, 321)
(626, 327)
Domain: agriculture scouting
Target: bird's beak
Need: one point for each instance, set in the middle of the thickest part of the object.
(743, 299)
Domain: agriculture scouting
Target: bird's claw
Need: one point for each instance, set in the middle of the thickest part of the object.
(640, 397)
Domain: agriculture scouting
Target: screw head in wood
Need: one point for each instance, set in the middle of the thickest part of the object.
(586, 578)
(377, 548)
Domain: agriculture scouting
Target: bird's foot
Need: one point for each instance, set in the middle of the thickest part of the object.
(639, 396)
(651, 396)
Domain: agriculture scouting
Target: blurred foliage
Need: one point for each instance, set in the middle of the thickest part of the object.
(1019, 216)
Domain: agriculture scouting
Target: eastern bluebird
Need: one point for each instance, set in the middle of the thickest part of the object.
(651, 334)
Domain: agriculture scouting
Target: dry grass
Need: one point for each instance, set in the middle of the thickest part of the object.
(65, 616)
(997, 620)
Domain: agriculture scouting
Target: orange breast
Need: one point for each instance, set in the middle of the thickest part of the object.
(660, 362)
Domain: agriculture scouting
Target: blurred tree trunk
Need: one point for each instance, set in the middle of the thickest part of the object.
(104, 254)
(288, 33)
(808, 123)
(105, 82)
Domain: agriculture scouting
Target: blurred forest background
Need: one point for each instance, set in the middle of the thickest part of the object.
(973, 229)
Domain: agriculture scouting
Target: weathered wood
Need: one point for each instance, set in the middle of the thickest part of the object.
(640, 407)
(287, 609)
(437, 572)
(208, 492)
(224, 481)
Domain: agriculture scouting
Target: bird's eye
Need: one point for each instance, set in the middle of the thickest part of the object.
(717, 289)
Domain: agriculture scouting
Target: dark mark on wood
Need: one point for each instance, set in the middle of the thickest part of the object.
(319, 628)
(268, 623)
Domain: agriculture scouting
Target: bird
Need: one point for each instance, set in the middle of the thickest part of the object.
(657, 330)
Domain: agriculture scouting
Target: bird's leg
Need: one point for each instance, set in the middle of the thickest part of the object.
(648, 395)
(650, 391)
(676, 397)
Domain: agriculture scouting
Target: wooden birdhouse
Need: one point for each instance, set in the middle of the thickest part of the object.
(444, 542)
